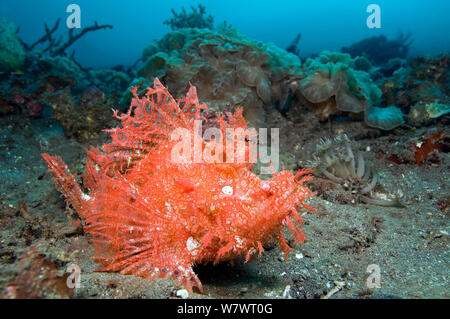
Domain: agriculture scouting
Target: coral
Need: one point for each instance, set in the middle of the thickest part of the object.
(60, 67)
(194, 19)
(421, 113)
(28, 91)
(385, 118)
(110, 80)
(362, 64)
(336, 161)
(83, 118)
(152, 215)
(421, 89)
(379, 50)
(42, 81)
(141, 84)
(12, 54)
(331, 85)
(228, 68)
(436, 110)
(391, 66)
(293, 47)
(46, 77)
(55, 47)
(34, 108)
(433, 69)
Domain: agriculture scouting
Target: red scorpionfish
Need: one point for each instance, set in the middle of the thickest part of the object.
(151, 216)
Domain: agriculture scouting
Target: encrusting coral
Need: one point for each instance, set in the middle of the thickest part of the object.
(335, 160)
(420, 89)
(55, 46)
(153, 216)
(232, 69)
(332, 85)
(88, 114)
(42, 74)
(227, 67)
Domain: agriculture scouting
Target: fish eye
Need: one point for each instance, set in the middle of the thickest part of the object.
(265, 186)
(227, 190)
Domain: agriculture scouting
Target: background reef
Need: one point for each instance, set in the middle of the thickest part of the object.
(372, 118)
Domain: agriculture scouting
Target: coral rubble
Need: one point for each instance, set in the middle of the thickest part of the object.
(420, 89)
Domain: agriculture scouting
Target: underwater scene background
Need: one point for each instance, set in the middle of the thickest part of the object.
(350, 99)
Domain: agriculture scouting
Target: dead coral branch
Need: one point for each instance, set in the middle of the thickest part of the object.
(72, 38)
(55, 47)
(195, 19)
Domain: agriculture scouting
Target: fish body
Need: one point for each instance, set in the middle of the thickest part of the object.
(152, 216)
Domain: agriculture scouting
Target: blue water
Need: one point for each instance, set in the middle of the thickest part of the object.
(324, 24)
